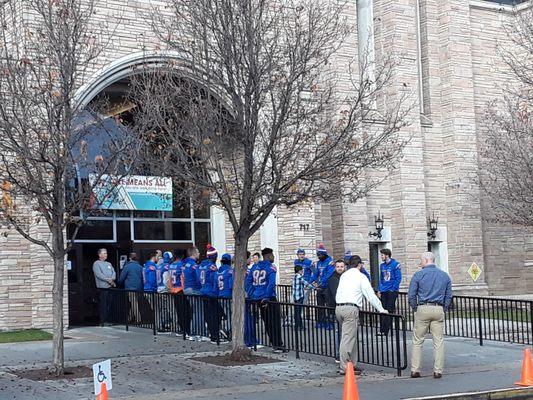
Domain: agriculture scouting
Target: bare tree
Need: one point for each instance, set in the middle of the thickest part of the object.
(48, 144)
(506, 173)
(259, 115)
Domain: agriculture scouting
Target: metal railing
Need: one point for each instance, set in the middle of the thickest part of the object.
(482, 318)
(282, 325)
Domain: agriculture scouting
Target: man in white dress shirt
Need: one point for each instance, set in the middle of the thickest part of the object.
(353, 285)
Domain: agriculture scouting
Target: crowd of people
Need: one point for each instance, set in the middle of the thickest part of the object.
(201, 287)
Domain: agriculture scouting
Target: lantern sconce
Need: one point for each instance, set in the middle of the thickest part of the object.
(433, 226)
(378, 222)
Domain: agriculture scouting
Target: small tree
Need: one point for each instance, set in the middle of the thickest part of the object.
(48, 143)
(258, 115)
(506, 173)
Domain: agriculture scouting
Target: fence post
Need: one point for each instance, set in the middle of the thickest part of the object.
(531, 322)
(296, 329)
(127, 308)
(480, 323)
(154, 302)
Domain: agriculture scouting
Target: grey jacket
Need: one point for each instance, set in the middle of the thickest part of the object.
(103, 270)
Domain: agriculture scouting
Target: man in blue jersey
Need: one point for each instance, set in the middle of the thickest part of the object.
(150, 273)
(192, 289)
(175, 286)
(163, 277)
(389, 285)
(325, 267)
(207, 276)
(250, 338)
(260, 286)
(150, 287)
(308, 270)
(224, 286)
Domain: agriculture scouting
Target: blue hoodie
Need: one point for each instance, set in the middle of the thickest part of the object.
(205, 273)
(324, 269)
(390, 276)
(224, 280)
(189, 273)
(260, 283)
(150, 276)
(307, 266)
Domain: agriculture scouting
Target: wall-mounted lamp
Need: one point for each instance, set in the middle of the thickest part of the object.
(433, 226)
(378, 222)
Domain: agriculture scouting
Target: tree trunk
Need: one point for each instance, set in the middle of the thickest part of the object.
(239, 350)
(58, 360)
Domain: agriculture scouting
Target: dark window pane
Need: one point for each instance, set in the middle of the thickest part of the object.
(123, 231)
(155, 230)
(179, 210)
(123, 213)
(147, 214)
(202, 212)
(93, 230)
(202, 236)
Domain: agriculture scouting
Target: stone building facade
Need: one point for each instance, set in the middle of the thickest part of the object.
(449, 59)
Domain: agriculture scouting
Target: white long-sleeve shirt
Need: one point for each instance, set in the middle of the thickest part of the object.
(353, 285)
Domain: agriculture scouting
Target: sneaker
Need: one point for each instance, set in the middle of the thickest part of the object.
(318, 325)
(337, 360)
(204, 339)
(214, 342)
(280, 350)
(328, 326)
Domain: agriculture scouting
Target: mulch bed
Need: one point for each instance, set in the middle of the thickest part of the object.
(225, 361)
(44, 375)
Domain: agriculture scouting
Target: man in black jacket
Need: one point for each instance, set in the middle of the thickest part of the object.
(331, 292)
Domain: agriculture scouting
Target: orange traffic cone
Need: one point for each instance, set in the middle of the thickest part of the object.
(350, 385)
(527, 370)
(103, 393)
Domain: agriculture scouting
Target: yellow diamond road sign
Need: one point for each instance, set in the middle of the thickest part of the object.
(474, 271)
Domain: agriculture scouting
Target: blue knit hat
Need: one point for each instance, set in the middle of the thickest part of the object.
(300, 251)
(347, 255)
(321, 249)
(167, 256)
(226, 257)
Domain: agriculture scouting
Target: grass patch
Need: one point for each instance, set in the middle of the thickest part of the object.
(28, 335)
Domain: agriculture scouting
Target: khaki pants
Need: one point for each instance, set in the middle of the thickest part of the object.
(348, 317)
(428, 317)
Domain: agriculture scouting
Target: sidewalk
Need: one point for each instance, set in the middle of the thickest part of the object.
(149, 368)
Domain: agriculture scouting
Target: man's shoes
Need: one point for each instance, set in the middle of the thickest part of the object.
(318, 325)
(337, 360)
(356, 372)
(415, 375)
(279, 350)
(437, 375)
(381, 334)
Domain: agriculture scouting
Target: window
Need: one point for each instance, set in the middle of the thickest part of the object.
(507, 2)
(162, 231)
(93, 230)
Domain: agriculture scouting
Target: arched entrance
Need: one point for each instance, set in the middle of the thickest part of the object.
(124, 231)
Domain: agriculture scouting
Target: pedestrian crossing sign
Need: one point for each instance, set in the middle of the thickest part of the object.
(474, 271)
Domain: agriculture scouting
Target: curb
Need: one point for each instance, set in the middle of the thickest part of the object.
(515, 394)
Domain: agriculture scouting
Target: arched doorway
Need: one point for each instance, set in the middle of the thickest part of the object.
(124, 231)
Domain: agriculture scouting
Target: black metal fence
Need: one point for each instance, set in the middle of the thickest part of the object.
(481, 318)
(282, 325)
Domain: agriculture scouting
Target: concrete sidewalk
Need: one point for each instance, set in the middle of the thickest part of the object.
(149, 368)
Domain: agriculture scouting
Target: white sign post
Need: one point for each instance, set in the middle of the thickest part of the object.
(102, 374)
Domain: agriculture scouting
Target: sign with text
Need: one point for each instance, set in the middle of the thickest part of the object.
(135, 192)
(102, 374)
